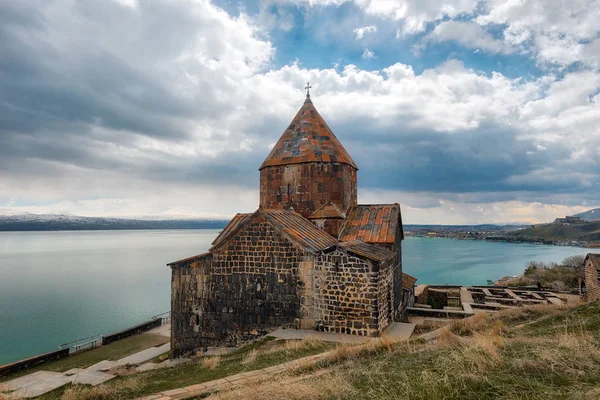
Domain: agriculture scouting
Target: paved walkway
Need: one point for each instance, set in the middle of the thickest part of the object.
(41, 382)
(297, 334)
(136, 358)
(396, 332)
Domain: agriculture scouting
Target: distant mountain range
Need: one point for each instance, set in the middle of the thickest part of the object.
(588, 232)
(591, 215)
(66, 222)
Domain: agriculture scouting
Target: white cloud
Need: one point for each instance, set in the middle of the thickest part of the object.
(425, 208)
(555, 31)
(468, 34)
(367, 55)
(179, 114)
(360, 32)
(415, 14)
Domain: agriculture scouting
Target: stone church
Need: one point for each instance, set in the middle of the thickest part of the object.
(310, 257)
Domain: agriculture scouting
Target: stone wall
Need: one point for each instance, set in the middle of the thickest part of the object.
(250, 286)
(387, 310)
(592, 282)
(134, 330)
(440, 298)
(398, 313)
(308, 186)
(189, 292)
(31, 362)
(347, 295)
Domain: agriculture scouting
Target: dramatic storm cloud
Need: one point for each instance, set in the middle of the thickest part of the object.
(463, 111)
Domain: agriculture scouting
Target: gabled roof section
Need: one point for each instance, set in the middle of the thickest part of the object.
(327, 210)
(369, 251)
(595, 259)
(307, 139)
(376, 223)
(236, 222)
(300, 230)
(408, 282)
(189, 259)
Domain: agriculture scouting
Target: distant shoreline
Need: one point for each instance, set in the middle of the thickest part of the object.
(539, 242)
(103, 224)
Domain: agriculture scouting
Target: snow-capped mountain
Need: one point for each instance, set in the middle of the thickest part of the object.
(591, 215)
(10, 221)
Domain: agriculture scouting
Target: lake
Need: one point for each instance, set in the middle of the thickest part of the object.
(60, 286)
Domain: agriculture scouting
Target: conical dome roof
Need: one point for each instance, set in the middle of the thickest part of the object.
(307, 139)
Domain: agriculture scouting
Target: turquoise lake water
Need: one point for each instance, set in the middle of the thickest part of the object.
(60, 286)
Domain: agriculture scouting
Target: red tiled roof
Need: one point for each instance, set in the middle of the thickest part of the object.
(327, 210)
(231, 227)
(408, 282)
(369, 251)
(372, 224)
(307, 139)
(300, 230)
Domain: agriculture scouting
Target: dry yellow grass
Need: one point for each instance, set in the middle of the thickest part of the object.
(291, 345)
(302, 388)
(211, 362)
(342, 352)
(250, 357)
(102, 392)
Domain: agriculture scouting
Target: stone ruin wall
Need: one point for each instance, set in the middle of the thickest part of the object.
(308, 186)
(251, 285)
(346, 295)
(592, 283)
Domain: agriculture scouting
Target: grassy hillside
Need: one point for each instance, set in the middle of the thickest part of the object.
(543, 352)
(539, 352)
(590, 215)
(559, 232)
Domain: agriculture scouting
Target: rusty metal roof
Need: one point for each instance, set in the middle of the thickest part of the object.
(300, 230)
(369, 251)
(408, 282)
(327, 210)
(190, 259)
(231, 227)
(376, 223)
(308, 139)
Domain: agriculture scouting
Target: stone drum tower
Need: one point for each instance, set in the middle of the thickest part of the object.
(308, 168)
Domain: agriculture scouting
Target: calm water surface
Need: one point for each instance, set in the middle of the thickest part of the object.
(60, 286)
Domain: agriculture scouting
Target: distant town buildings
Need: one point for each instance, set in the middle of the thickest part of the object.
(569, 221)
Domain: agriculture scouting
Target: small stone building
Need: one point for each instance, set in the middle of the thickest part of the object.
(310, 257)
(591, 266)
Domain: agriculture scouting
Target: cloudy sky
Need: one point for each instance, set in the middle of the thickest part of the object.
(463, 111)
